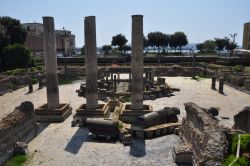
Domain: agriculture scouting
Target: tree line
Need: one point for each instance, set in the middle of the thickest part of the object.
(156, 40)
(218, 44)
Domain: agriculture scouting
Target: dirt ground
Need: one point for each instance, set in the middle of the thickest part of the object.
(60, 144)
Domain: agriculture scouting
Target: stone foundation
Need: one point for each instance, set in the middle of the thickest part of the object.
(18, 126)
(45, 115)
(155, 131)
(129, 116)
(82, 113)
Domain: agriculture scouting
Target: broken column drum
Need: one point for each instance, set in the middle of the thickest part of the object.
(50, 62)
(137, 63)
(91, 62)
(165, 115)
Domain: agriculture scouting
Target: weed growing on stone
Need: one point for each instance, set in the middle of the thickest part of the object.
(17, 160)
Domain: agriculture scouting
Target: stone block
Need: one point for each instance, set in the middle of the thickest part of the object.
(247, 84)
(242, 120)
(45, 115)
(139, 134)
(183, 155)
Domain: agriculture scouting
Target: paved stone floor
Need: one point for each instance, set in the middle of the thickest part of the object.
(60, 144)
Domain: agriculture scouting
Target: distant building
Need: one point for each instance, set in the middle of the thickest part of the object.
(65, 41)
(246, 36)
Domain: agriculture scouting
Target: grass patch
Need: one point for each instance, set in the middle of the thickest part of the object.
(215, 66)
(125, 99)
(16, 72)
(202, 75)
(245, 142)
(237, 68)
(120, 125)
(34, 80)
(229, 160)
(241, 161)
(17, 160)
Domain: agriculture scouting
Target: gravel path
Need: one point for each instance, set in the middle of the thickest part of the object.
(60, 144)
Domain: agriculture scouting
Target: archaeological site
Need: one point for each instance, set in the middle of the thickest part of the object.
(136, 108)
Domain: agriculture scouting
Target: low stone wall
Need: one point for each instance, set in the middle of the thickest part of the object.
(20, 125)
(206, 138)
(5, 86)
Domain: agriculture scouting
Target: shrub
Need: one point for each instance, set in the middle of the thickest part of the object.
(16, 56)
(237, 68)
(245, 142)
(17, 160)
(229, 160)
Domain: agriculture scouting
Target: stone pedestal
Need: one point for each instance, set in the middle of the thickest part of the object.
(30, 86)
(137, 63)
(115, 82)
(152, 75)
(221, 86)
(53, 111)
(213, 86)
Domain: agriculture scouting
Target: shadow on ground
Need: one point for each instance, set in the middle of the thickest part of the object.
(41, 127)
(82, 135)
(77, 140)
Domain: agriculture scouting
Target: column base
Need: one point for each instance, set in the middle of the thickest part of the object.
(45, 115)
(155, 131)
(129, 116)
(82, 113)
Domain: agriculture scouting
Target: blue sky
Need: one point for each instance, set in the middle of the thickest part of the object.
(199, 19)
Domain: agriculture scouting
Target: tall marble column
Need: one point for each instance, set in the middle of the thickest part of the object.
(137, 63)
(91, 62)
(50, 62)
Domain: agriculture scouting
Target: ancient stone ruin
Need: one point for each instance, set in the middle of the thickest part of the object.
(52, 111)
(242, 120)
(18, 126)
(206, 138)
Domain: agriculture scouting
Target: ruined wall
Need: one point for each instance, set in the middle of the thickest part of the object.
(206, 138)
(4, 85)
(242, 120)
(239, 81)
(20, 125)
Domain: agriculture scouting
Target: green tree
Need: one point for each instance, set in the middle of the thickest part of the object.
(200, 47)
(83, 50)
(159, 40)
(165, 40)
(12, 31)
(152, 39)
(209, 45)
(173, 42)
(126, 48)
(106, 48)
(119, 40)
(221, 43)
(231, 44)
(181, 39)
(16, 56)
